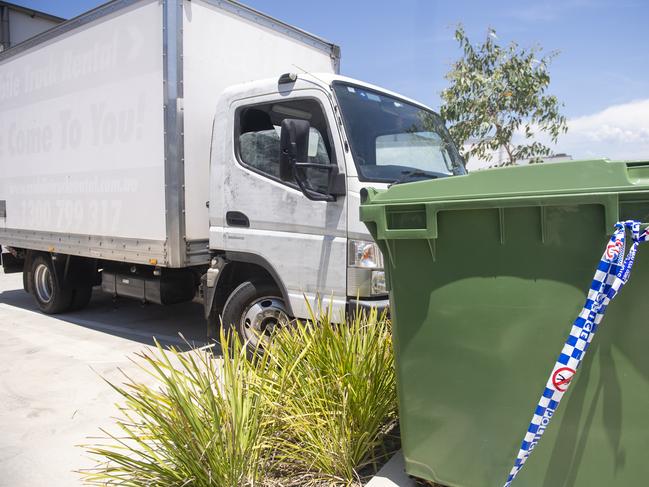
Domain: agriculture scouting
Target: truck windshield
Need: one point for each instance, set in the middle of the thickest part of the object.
(395, 141)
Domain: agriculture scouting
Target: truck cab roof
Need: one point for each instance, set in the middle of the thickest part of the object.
(304, 81)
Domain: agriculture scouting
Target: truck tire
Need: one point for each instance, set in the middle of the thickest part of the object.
(253, 310)
(51, 299)
(26, 278)
(81, 298)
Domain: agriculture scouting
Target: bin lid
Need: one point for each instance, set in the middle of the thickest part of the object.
(571, 177)
(409, 210)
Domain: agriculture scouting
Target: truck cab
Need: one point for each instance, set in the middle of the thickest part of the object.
(176, 160)
(289, 160)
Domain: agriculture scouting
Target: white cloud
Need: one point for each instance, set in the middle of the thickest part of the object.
(617, 132)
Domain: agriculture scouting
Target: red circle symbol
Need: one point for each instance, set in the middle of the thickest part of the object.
(562, 377)
(613, 249)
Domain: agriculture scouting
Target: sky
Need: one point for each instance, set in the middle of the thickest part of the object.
(601, 74)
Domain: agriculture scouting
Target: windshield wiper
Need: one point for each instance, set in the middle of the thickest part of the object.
(415, 175)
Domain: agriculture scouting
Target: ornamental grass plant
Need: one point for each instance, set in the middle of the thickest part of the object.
(199, 421)
(317, 407)
(336, 400)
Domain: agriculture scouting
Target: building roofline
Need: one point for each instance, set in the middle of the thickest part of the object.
(31, 12)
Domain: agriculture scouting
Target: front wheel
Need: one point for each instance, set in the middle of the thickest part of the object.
(254, 310)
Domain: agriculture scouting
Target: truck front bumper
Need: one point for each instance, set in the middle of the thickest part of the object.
(366, 304)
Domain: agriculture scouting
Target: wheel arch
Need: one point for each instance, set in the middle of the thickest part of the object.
(241, 267)
(267, 268)
(70, 271)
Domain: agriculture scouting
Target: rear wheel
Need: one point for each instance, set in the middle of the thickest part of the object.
(81, 298)
(50, 297)
(254, 310)
(27, 276)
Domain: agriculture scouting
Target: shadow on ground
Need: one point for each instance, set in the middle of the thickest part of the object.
(174, 325)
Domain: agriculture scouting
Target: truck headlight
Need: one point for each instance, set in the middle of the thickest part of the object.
(365, 275)
(365, 255)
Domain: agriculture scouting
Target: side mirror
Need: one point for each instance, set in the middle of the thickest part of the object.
(294, 157)
(294, 146)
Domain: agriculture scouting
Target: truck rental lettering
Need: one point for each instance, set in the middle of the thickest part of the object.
(99, 126)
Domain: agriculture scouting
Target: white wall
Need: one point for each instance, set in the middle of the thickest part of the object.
(23, 26)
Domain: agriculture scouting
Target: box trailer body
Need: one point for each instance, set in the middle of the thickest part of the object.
(172, 148)
(106, 120)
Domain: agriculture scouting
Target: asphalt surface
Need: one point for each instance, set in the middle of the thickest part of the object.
(52, 396)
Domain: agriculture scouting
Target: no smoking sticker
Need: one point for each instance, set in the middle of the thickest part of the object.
(562, 377)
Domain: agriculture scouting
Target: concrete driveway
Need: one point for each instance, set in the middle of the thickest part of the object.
(52, 397)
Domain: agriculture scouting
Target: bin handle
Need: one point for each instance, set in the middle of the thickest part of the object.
(610, 202)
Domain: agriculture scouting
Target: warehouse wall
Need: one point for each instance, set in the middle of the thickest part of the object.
(18, 25)
(23, 26)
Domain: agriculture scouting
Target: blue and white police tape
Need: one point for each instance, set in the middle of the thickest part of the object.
(612, 274)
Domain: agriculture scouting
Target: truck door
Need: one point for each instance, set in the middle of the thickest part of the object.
(303, 241)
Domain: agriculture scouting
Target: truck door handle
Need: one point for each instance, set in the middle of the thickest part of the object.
(236, 219)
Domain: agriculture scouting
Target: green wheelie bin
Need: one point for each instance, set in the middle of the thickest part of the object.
(487, 273)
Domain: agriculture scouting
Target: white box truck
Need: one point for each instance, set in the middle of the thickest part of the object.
(165, 149)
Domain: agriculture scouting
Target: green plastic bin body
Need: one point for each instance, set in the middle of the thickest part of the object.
(487, 272)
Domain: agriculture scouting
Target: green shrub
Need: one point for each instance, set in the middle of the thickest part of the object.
(314, 407)
(335, 394)
(202, 422)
